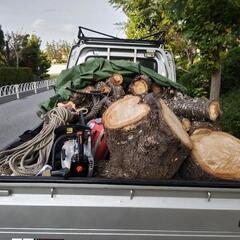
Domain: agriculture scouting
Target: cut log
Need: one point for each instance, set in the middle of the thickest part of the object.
(145, 140)
(140, 85)
(190, 170)
(116, 79)
(156, 88)
(83, 97)
(202, 131)
(97, 108)
(117, 91)
(125, 112)
(206, 125)
(88, 89)
(103, 87)
(215, 155)
(198, 109)
(186, 124)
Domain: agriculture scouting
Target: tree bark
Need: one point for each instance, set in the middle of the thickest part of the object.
(190, 170)
(102, 87)
(215, 85)
(199, 109)
(206, 125)
(116, 92)
(145, 140)
(156, 88)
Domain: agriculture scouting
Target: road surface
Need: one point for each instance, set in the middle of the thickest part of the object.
(20, 115)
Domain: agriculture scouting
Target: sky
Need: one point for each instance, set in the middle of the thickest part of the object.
(59, 19)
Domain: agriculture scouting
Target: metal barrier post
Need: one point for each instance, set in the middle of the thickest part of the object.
(35, 87)
(17, 90)
(47, 85)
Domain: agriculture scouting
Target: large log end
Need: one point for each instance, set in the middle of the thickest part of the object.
(217, 153)
(125, 112)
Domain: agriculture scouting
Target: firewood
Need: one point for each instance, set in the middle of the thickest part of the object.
(190, 170)
(140, 85)
(202, 131)
(145, 140)
(68, 105)
(199, 109)
(88, 89)
(116, 79)
(103, 87)
(204, 125)
(117, 91)
(215, 155)
(186, 123)
(156, 88)
(81, 98)
(96, 109)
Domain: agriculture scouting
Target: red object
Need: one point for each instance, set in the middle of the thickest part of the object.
(98, 139)
(79, 169)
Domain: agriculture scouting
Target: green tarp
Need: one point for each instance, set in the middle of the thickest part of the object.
(98, 69)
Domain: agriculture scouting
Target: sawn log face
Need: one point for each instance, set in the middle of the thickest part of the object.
(146, 149)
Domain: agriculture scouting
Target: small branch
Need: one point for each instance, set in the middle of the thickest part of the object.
(92, 93)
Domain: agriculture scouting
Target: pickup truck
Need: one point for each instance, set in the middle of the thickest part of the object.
(95, 208)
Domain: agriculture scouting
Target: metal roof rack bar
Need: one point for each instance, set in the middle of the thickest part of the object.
(111, 39)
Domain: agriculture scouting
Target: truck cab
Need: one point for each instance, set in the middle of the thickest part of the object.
(148, 53)
(41, 208)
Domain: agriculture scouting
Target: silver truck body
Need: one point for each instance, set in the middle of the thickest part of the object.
(52, 208)
(105, 211)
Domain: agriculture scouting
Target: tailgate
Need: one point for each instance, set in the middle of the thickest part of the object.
(101, 211)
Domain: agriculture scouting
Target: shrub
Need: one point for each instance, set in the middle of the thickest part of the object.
(231, 71)
(230, 120)
(196, 80)
(12, 75)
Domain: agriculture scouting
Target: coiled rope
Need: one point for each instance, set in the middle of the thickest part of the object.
(29, 158)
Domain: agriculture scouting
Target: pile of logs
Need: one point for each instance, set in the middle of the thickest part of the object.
(156, 132)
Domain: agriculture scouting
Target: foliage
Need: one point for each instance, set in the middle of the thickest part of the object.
(199, 32)
(231, 71)
(24, 50)
(2, 44)
(2, 40)
(213, 26)
(146, 17)
(34, 58)
(230, 120)
(13, 75)
(15, 43)
(195, 80)
(58, 51)
(44, 65)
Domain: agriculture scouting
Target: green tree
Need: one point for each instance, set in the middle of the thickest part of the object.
(196, 30)
(15, 43)
(146, 17)
(213, 27)
(2, 46)
(34, 57)
(58, 51)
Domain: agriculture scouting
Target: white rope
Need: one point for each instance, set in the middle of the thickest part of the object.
(30, 157)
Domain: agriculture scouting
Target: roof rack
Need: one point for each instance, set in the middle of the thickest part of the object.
(114, 40)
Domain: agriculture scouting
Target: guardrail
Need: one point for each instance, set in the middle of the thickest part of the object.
(17, 89)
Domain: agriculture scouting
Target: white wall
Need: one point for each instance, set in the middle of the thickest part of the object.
(56, 69)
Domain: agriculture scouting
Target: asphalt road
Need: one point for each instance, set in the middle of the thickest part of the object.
(20, 115)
